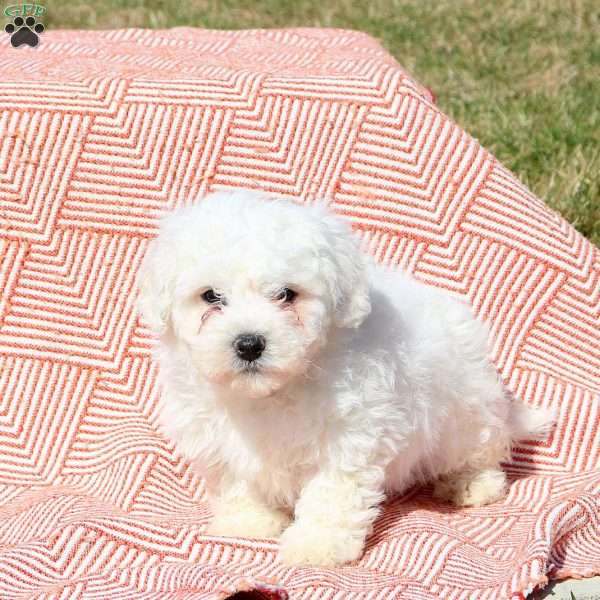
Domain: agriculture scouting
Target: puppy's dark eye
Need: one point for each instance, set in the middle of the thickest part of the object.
(286, 295)
(212, 297)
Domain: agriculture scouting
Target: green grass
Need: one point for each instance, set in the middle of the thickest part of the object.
(522, 76)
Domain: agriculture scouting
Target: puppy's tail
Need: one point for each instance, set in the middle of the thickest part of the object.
(526, 422)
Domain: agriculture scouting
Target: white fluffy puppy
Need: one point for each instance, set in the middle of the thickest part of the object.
(305, 385)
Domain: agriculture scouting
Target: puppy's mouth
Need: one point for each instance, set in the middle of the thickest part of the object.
(249, 368)
(256, 379)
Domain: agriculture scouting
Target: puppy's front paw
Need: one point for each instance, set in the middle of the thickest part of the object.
(260, 522)
(306, 543)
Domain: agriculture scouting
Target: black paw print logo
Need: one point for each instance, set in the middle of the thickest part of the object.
(24, 31)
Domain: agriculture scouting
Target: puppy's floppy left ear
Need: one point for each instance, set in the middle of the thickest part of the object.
(152, 300)
(156, 280)
(350, 283)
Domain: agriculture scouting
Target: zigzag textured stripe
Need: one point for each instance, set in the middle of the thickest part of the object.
(103, 132)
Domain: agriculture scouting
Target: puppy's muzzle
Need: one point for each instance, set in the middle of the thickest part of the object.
(249, 346)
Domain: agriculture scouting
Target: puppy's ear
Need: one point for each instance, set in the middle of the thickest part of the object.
(350, 283)
(155, 283)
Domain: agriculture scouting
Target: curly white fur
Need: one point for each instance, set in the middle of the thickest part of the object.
(369, 381)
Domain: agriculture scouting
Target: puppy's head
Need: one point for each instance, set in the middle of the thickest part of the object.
(251, 288)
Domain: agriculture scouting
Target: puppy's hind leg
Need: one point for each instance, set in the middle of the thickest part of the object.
(482, 480)
(472, 486)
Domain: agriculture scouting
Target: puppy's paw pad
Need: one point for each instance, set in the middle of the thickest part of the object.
(310, 545)
(256, 524)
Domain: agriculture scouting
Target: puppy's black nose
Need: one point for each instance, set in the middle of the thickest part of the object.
(249, 346)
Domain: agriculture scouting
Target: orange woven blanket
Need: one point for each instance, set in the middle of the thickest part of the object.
(101, 132)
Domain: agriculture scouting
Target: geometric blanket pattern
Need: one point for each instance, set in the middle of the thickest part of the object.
(102, 132)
